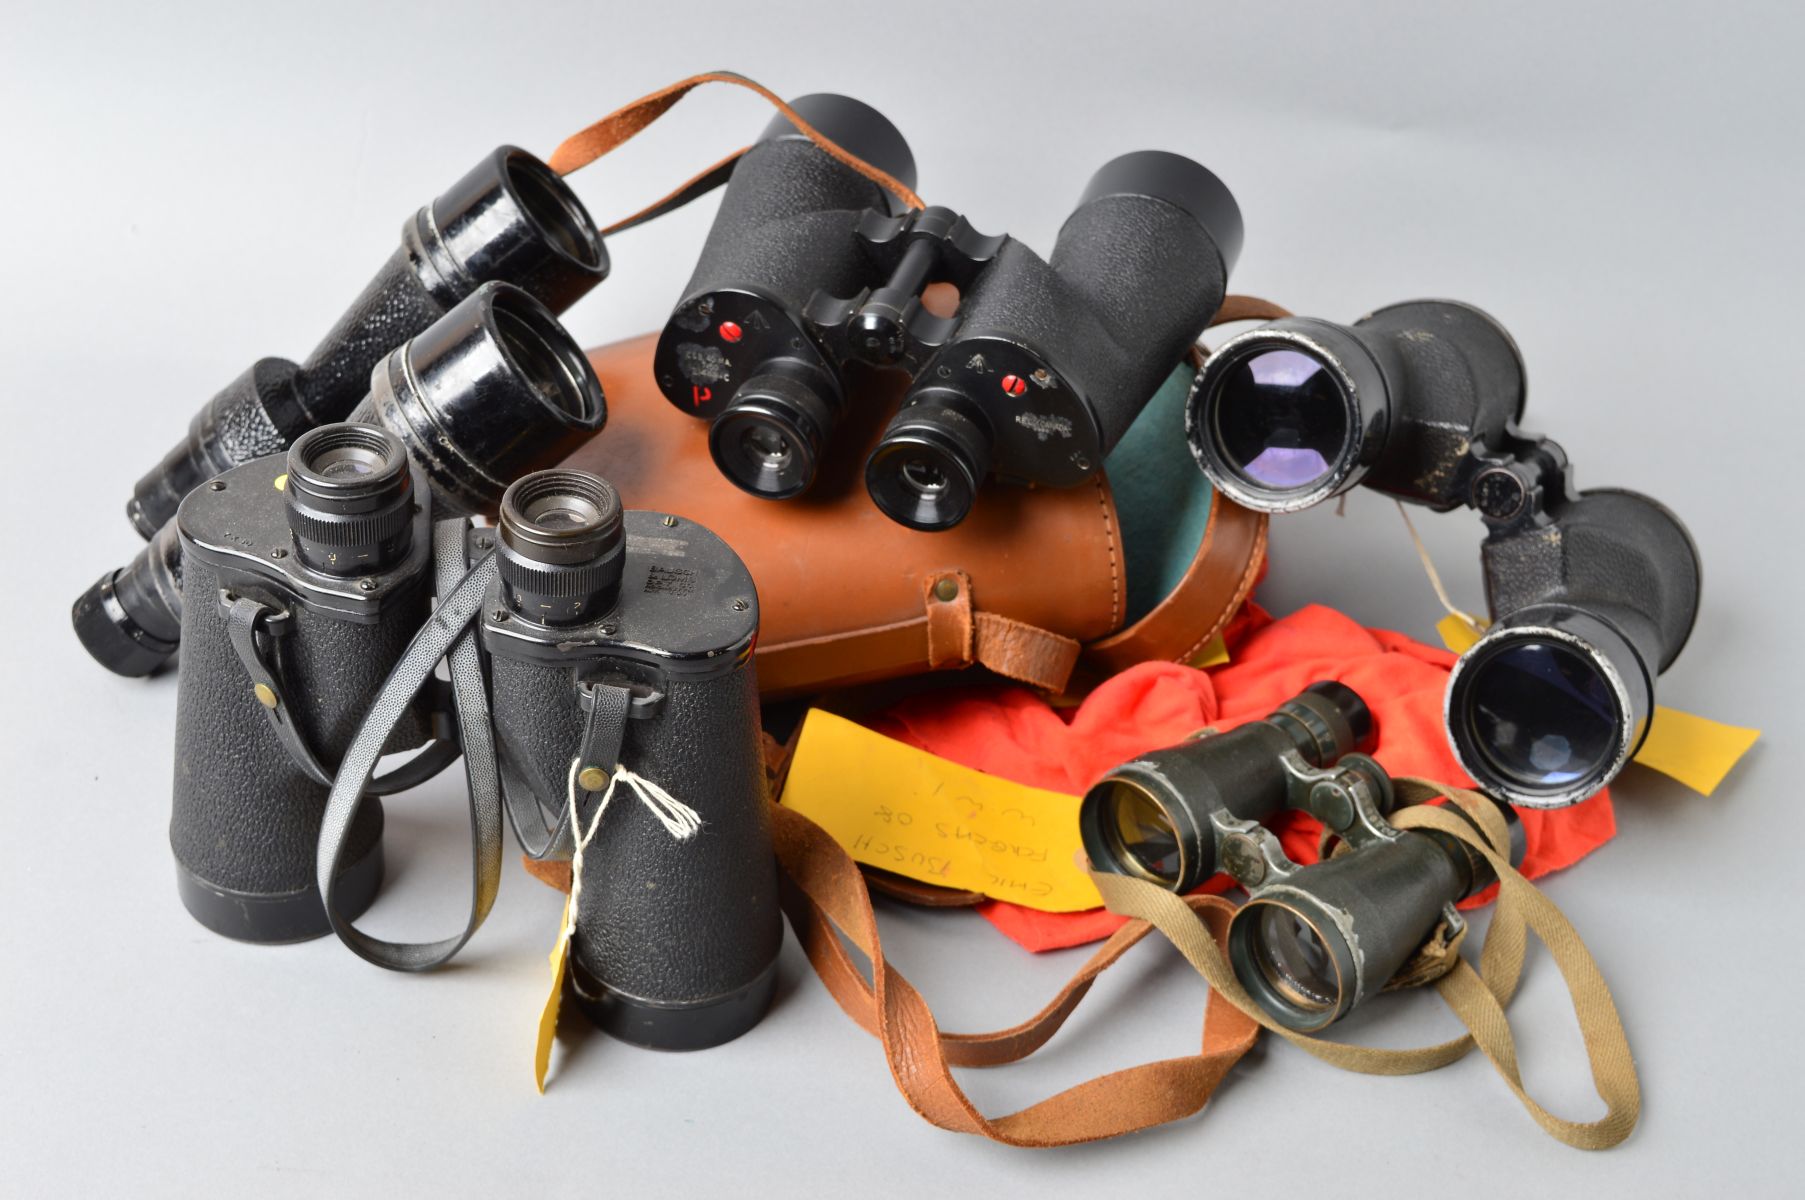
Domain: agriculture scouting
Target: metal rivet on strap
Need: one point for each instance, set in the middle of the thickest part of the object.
(946, 589)
(266, 695)
(592, 779)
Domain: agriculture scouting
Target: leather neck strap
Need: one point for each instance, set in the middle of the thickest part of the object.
(626, 122)
(825, 897)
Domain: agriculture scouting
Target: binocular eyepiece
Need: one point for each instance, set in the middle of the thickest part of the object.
(1594, 592)
(494, 389)
(562, 546)
(809, 268)
(1311, 942)
(350, 499)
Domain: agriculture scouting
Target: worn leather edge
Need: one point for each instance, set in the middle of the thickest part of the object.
(1212, 589)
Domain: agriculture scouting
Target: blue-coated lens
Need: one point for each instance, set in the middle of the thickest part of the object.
(1543, 715)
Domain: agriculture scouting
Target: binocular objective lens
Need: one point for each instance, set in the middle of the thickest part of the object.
(549, 205)
(1281, 419)
(1542, 715)
(546, 367)
(1292, 960)
(1140, 835)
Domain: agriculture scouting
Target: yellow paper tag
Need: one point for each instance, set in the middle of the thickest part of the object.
(1457, 633)
(548, 1016)
(1697, 751)
(1212, 655)
(903, 809)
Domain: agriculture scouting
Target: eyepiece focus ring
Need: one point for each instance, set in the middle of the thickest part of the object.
(563, 545)
(349, 498)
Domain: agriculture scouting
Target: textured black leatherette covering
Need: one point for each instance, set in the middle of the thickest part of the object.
(245, 817)
(1614, 553)
(1456, 379)
(786, 226)
(1131, 284)
(669, 921)
(394, 307)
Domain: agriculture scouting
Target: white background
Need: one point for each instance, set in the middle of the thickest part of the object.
(185, 189)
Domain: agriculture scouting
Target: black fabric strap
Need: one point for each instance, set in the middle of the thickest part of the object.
(447, 630)
(245, 620)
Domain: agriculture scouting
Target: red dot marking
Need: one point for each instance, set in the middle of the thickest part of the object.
(731, 332)
(1015, 385)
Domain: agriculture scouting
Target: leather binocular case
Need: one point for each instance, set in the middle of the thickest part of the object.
(1048, 587)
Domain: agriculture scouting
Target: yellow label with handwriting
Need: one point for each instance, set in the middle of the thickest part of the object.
(907, 811)
(1695, 750)
(548, 1016)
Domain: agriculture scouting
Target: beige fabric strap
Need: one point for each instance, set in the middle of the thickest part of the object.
(1477, 997)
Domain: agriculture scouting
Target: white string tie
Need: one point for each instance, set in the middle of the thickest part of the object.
(679, 820)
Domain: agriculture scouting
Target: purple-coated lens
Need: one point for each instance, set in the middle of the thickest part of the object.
(1281, 419)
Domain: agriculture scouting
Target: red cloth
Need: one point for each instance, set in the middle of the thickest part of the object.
(1013, 733)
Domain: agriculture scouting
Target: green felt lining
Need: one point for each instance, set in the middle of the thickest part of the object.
(1162, 499)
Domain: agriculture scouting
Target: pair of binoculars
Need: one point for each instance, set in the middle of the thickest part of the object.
(309, 574)
(810, 267)
(1312, 942)
(1594, 593)
(510, 221)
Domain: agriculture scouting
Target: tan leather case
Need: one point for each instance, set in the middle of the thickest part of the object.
(1027, 585)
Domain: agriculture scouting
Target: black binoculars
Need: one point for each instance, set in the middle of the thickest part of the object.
(491, 390)
(305, 575)
(511, 219)
(1312, 942)
(623, 641)
(1593, 593)
(810, 267)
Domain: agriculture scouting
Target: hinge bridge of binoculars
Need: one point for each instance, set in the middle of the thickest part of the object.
(1515, 481)
(1248, 850)
(887, 326)
(1350, 799)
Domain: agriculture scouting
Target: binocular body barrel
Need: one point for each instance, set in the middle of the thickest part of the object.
(1162, 805)
(509, 219)
(787, 220)
(1592, 605)
(1454, 379)
(676, 940)
(1133, 279)
(1368, 912)
(1403, 397)
(1615, 553)
(245, 821)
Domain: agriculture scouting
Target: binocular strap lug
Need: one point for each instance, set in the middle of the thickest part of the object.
(250, 624)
